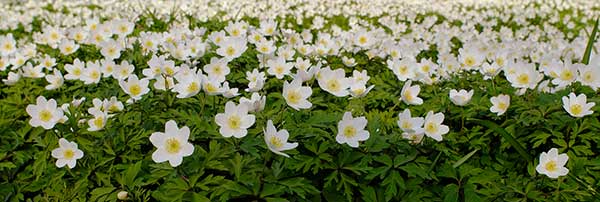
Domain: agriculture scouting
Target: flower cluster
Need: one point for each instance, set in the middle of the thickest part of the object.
(291, 78)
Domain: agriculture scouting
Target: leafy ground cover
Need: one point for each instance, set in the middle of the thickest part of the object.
(299, 101)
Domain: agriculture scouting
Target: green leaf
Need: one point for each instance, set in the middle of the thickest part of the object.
(271, 189)
(131, 173)
(451, 193)
(97, 193)
(513, 142)
(464, 158)
(368, 194)
(590, 44)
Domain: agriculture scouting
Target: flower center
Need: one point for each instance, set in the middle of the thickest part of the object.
(576, 109)
(362, 40)
(349, 132)
(566, 75)
(588, 77)
(230, 51)
(210, 88)
(45, 115)
(406, 124)
(276, 142)
(173, 146)
(523, 79)
(334, 85)
(408, 96)
(113, 108)
(469, 61)
(279, 70)
(551, 166)
(293, 97)
(235, 32)
(193, 87)
(68, 154)
(8, 47)
(95, 74)
(234, 122)
(99, 122)
(425, 68)
(170, 71)
(135, 89)
(431, 128)
(502, 105)
(77, 72)
(68, 49)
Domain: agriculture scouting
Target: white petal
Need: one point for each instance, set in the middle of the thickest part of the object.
(157, 139)
(160, 156)
(175, 161)
(61, 163)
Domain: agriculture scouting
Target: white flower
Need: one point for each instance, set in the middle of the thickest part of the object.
(134, 87)
(567, 74)
(211, 86)
(256, 103)
(99, 121)
(360, 77)
(217, 69)
(110, 49)
(403, 69)
(296, 95)
(409, 124)
(349, 62)
(277, 140)
(47, 62)
(92, 73)
(577, 106)
(33, 72)
(188, 86)
(232, 48)
(462, 97)
(433, 125)
(44, 113)
(552, 164)
(13, 78)
(410, 94)
(268, 27)
(363, 39)
(107, 67)
(123, 70)
(278, 67)
(235, 121)
(55, 80)
(229, 92)
(123, 27)
(351, 130)
(113, 105)
(8, 45)
(67, 47)
(590, 76)
(523, 75)
(75, 70)
(358, 90)
(257, 80)
(172, 145)
(265, 46)
(500, 104)
(414, 137)
(334, 82)
(67, 153)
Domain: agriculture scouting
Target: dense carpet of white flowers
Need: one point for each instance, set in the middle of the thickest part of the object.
(360, 100)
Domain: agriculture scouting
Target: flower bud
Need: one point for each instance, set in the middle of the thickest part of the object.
(122, 195)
